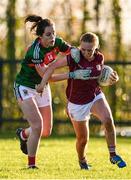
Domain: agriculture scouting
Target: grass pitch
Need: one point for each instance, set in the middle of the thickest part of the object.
(57, 159)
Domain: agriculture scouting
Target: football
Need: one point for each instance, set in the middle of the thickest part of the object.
(104, 79)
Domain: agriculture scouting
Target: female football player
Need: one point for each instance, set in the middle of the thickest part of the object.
(37, 109)
(85, 97)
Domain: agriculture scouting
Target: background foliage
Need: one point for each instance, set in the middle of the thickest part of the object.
(105, 18)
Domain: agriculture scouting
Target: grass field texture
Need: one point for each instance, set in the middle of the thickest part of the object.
(57, 159)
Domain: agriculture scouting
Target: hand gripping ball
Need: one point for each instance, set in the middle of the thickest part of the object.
(104, 78)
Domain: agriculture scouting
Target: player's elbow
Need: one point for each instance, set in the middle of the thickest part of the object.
(53, 65)
(52, 78)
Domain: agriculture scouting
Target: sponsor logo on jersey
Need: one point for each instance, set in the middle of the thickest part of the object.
(98, 67)
(25, 92)
(37, 61)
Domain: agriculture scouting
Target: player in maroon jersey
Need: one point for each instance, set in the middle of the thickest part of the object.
(85, 97)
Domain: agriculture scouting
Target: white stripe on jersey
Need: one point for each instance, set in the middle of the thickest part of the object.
(36, 51)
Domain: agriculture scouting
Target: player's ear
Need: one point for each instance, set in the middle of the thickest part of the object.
(98, 47)
(96, 50)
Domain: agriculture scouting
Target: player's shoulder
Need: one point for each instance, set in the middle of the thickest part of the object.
(62, 45)
(31, 50)
(33, 44)
(58, 40)
(99, 56)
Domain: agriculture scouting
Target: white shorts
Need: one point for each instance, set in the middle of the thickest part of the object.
(23, 92)
(82, 112)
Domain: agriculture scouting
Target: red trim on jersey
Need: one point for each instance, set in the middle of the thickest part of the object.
(67, 52)
(31, 65)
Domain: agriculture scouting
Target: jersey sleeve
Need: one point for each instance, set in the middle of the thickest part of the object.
(70, 62)
(33, 56)
(63, 46)
(102, 59)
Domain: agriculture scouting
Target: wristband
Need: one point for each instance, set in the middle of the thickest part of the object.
(71, 75)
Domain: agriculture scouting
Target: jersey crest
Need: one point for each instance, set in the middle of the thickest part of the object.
(49, 57)
(98, 67)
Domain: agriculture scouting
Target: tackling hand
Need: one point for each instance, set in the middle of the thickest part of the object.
(80, 74)
(39, 88)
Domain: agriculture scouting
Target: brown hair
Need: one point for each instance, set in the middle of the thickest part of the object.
(39, 23)
(91, 38)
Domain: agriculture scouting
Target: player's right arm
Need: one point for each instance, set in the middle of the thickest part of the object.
(49, 72)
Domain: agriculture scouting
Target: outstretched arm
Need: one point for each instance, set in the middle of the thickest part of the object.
(49, 71)
(77, 74)
(59, 77)
(41, 69)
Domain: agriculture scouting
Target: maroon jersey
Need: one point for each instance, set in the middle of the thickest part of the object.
(83, 91)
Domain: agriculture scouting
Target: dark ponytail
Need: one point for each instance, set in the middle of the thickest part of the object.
(33, 18)
(39, 23)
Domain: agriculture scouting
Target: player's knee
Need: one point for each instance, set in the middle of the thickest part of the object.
(82, 141)
(37, 129)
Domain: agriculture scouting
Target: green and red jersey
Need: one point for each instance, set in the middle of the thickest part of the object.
(37, 54)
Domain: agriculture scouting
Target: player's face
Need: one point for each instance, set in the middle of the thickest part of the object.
(87, 49)
(48, 37)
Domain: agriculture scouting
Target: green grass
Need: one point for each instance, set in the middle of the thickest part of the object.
(57, 159)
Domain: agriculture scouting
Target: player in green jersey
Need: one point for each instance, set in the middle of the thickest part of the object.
(37, 108)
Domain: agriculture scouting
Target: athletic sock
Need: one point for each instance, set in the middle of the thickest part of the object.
(83, 160)
(23, 135)
(112, 150)
(31, 161)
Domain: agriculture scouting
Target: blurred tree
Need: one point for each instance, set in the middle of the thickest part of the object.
(2, 32)
(26, 12)
(11, 23)
(97, 6)
(71, 19)
(116, 11)
(9, 70)
(120, 54)
(117, 34)
(67, 11)
(97, 14)
(86, 16)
